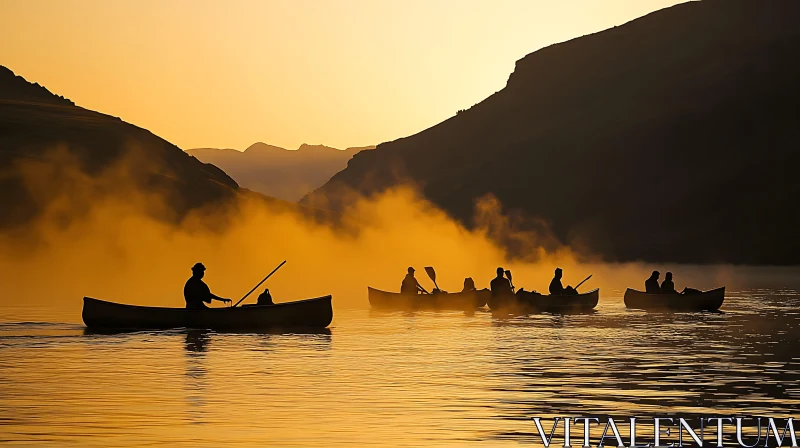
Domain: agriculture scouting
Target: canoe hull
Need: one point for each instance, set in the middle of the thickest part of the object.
(704, 301)
(310, 313)
(440, 301)
(528, 302)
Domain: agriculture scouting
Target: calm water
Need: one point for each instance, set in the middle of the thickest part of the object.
(393, 379)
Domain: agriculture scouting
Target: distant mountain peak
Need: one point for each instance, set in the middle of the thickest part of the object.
(282, 173)
(263, 147)
(307, 147)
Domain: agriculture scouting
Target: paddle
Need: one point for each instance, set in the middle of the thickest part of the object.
(510, 280)
(259, 284)
(432, 274)
(584, 281)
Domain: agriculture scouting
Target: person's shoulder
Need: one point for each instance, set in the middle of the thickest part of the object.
(194, 281)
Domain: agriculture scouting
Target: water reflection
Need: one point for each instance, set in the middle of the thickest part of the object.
(623, 363)
(197, 341)
(397, 379)
(196, 345)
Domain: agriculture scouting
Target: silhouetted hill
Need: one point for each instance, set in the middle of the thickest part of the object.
(13, 87)
(35, 125)
(671, 138)
(279, 172)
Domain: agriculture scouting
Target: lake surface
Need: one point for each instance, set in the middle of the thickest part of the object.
(393, 379)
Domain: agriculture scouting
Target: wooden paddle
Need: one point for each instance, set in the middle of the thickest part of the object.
(584, 281)
(432, 274)
(259, 284)
(508, 274)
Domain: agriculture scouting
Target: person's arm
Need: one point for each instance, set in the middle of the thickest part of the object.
(421, 288)
(221, 299)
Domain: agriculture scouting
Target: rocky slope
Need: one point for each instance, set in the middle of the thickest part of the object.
(45, 137)
(671, 138)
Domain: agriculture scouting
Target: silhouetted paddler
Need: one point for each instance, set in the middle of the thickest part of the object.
(196, 292)
(410, 284)
(667, 286)
(500, 285)
(556, 289)
(469, 285)
(651, 284)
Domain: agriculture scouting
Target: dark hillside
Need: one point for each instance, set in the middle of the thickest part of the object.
(34, 123)
(671, 138)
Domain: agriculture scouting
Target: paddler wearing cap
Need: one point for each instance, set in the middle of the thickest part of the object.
(196, 292)
(410, 284)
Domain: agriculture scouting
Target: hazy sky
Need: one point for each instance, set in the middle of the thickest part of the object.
(342, 73)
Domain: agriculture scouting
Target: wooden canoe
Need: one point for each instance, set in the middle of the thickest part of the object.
(703, 301)
(309, 313)
(438, 301)
(526, 302)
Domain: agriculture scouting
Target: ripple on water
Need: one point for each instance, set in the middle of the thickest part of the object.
(398, 379)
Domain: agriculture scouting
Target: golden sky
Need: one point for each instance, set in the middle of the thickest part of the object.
(340, 73)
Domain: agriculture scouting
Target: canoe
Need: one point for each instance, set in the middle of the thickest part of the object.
(309, 313)
(438, 301)
(702, 301)
(526, 302)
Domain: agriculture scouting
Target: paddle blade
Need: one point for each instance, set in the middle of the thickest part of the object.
(508, 275)
(431, 273)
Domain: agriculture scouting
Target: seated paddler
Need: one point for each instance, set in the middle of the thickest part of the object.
(500, 285)
(556, 288)
(469, 285)
(410, 284)
(196, 292)
(668, 286)
(651, 284)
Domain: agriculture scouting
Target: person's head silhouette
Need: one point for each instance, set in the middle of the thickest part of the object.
(668, 276)
(559, 273)
(411, 270)
(500, 272)
(198, 270)
(655, 274)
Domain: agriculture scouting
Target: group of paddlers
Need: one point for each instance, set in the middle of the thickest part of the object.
(410, 285)
(197, 293)
(666, 287)
(500, 286)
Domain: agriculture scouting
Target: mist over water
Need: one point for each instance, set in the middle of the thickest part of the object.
(102, 236)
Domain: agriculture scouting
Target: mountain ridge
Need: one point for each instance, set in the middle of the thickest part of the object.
(663, 105)
(38, 129)
(279, 172)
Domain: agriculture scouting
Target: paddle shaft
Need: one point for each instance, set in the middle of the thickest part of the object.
(259, 284)
(584, 281)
